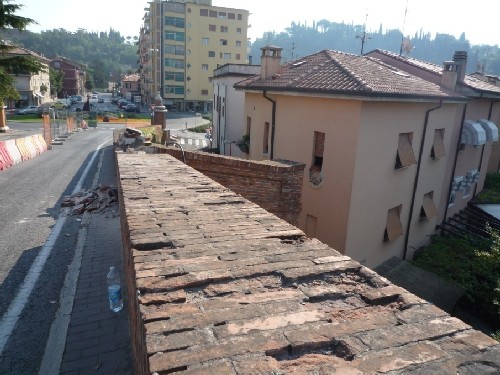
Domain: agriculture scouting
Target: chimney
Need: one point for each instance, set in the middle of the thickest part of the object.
(270, 61)
(460, 59)
(449, 76)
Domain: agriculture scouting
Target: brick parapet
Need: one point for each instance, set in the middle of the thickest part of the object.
(274, 185)
(218, 285)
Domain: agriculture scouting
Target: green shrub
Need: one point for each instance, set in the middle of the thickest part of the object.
(473, 265)
(244, 143)
(491, 189)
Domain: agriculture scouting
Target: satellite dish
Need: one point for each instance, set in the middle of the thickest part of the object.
(407, 46)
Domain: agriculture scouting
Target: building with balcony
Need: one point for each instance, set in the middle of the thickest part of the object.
(391, 152)
(181, 44)
(75, 76)
(33, 88)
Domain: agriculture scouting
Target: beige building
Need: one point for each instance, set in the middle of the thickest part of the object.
(228, 107)
(130, 86)
(34, 89)
(384, 149)
(182, 43)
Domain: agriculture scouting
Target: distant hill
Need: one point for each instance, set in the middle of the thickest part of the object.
(300, 40)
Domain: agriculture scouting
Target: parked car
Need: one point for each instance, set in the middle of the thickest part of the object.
(131, 108)
(29, 110)
(123, 103)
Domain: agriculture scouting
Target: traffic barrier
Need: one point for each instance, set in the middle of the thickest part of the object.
(13, 151)
(31, 147)
(38, 143)
(9, 161)
(21, 145)
(5, 160)
(41, 139)
(33, 139)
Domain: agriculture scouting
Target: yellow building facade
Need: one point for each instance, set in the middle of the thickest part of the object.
(182, 43)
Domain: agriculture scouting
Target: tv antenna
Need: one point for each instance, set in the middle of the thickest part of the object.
(402, 46)
(363, 36)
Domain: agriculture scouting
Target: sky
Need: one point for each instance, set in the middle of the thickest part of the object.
(476, 19)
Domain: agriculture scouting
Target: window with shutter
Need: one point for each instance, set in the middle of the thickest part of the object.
(405, 156)
(428, 210)
(393, 228)
(319, 146)
(438, 150)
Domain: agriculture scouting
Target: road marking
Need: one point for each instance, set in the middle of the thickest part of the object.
(11, 316)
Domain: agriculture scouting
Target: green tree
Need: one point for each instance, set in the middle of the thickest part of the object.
(10, 63)
(56, 81)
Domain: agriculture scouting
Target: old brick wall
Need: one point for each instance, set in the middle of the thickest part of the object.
(276, 185)
(218, 285)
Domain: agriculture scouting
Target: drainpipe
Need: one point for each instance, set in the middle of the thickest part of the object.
(273, 121)
(415, 182)
(455, 162)
(217, 106)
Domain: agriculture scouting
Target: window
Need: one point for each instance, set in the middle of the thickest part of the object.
(438, 150)
(212, 28)
(204, 12)
(175, 35)
(393, 227)
(227, 56)
(405, 156)
(211, 53)
(174, 63)
(238, 30)
(238, 56)
(222, 15)
(319, 146)
(238, 43)
(175, 22)
(204, 66)
(174, 76)
(174, 49)
(249, 124)
(224, 29)
(178, 90)
(428, 210)
(213, 13)
(204, 92)
(265, 139)
(240, 17)
(223, 42)
(231, 16)
(172, 7)
(205, 41)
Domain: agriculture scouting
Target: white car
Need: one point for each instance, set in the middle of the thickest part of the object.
(31, 109)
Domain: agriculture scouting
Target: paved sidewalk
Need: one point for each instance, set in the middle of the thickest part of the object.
(98, 340)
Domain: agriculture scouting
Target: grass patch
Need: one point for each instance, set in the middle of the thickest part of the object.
(25, 118)
(475, 265)
(491, 189)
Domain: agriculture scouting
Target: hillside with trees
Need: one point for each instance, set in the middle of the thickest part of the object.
(108, 55)
(300, 40)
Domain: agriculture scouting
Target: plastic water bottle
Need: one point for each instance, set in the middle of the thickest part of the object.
(114, 290)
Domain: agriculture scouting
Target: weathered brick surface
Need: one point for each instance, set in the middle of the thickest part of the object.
(218, 285)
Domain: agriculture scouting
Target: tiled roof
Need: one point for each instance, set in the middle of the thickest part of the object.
(469, 81)
(333, 72)
(19, 51)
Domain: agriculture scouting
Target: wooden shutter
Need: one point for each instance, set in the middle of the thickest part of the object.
(319, 144)
(405, 150)
(394, 228)
(438, 144)
(429, 207)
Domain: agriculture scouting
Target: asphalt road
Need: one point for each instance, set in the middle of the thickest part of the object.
(31, 193)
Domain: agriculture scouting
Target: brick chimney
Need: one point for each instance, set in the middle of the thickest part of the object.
(449, 76)
(460, 58)
(270, 61)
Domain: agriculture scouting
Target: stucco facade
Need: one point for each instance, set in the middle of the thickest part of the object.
(227, 115)
(357, 197)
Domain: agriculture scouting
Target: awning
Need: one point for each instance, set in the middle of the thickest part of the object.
(473, 134)
(491, 130)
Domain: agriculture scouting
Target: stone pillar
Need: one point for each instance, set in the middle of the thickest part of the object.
(3, 120)
(160, 118)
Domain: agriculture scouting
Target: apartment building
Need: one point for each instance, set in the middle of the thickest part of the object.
(181, 44)
(390, 155)
(33, 88)
(75, 76)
